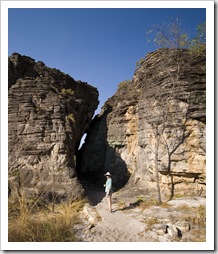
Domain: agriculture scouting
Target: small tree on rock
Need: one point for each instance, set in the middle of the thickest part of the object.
(197, 45)
(168, 35)
(168, 128)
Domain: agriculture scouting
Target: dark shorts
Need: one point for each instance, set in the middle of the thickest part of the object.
(109, 194)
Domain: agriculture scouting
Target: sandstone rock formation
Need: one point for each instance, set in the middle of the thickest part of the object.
(48, 112)
(157, 120)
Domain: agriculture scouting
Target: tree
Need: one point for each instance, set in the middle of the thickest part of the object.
(171, 35)
(198, 44)
(168, 35)
(167, 124)
(167, 121)
(169, 129)
(155, 121)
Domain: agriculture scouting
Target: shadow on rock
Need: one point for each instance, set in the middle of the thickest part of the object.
(98, 156)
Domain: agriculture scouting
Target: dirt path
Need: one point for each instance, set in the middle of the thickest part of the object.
(122, 225)
(118, 226)
(128, 222)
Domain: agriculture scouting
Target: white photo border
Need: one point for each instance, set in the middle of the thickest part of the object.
(209, 244)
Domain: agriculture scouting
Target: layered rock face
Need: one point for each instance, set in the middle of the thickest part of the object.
(155, 121)
(48, 112)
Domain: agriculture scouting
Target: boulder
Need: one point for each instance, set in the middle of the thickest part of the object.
(184, 226)
(166, 98)
(178, 228)
(48, 113)
(173, 231)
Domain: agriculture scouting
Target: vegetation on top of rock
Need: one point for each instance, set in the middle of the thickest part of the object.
(138, 63)
(67, 91)
(124, 84)
(198, 43)
(170, 34)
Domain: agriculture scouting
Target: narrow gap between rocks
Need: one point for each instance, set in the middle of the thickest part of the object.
(96, 157)
(93, 184)
(93, 187)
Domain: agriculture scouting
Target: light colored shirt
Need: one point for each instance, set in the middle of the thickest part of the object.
(108, 185)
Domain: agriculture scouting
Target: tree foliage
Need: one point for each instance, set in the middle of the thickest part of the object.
(198, 43)
(124, 84)
(168, 35)
(171, 35)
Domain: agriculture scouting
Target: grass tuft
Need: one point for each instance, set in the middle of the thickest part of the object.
(151, 221)
(29, 223)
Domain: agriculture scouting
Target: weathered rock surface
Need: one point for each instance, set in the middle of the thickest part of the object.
(48, 112)
(160, 116)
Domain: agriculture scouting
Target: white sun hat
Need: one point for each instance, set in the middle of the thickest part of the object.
(108, 174)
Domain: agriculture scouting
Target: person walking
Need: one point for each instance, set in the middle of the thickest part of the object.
(108, 190)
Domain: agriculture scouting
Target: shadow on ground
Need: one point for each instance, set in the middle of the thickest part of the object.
(94, 197)
(93, 193)
(129, 207)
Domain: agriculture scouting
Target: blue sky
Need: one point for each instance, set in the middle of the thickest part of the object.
(98, 45)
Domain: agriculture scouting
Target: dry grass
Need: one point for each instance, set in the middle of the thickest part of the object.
(178, 195)
(52, 230)
(198, 219)
(151, 221)
(165, 205)
(196, 235)
(146, 203)
(185, 208)
(29, 223)
(121, 204)
(195, 215)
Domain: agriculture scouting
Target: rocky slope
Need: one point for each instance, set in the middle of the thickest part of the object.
(156, 120)
(48, 112)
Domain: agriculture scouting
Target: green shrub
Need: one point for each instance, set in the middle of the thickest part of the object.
(138, 63)
(124, 84)
(67, 91)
